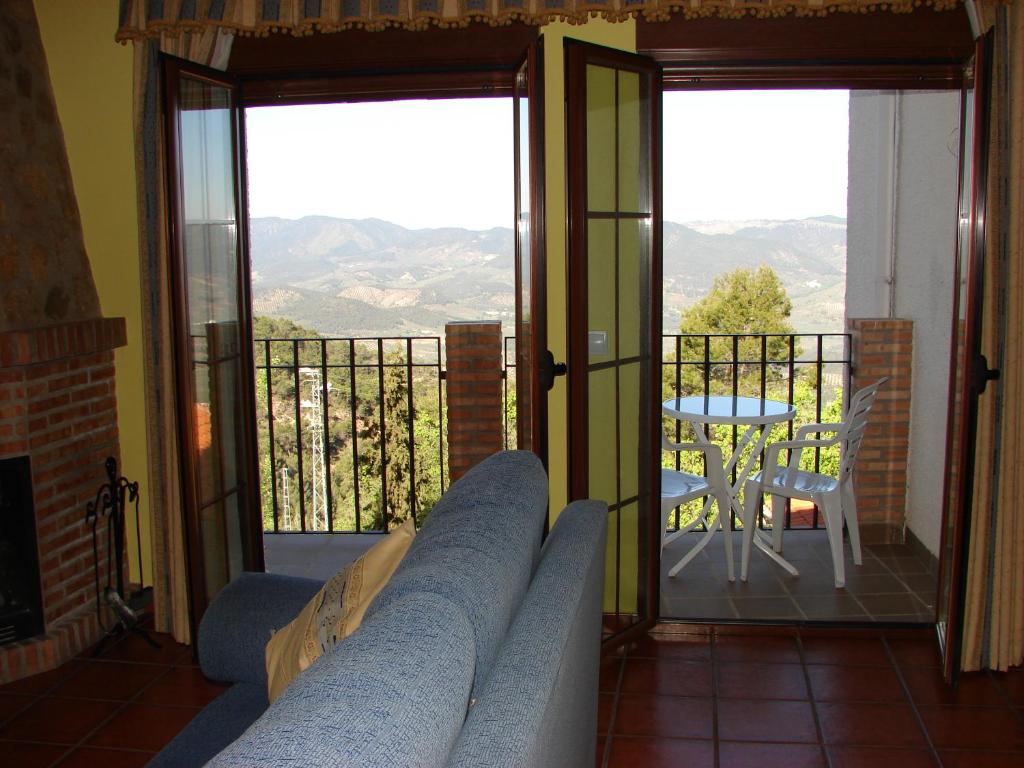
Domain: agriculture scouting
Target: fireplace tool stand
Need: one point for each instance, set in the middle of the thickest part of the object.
(110, 502)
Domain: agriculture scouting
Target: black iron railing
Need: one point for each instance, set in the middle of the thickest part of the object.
(351, 431)
(811, 371)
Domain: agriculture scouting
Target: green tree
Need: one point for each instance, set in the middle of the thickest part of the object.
(746, 303)
(402, 474)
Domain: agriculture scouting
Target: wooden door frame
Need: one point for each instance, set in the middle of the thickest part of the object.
(173, 68)
(533, 62)
(578, 55)
(968, 365)
(798, 61)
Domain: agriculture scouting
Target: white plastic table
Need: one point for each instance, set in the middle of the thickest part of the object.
(757, 416)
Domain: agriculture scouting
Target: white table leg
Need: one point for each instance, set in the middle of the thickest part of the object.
(734, 490)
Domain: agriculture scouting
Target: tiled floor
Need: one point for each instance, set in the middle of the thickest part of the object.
(894, 583)
(115, 711)
(802, 698)
(696, 696)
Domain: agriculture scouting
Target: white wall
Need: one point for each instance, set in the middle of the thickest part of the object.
(901, 237)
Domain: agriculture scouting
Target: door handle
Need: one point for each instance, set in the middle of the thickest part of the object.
(983, 374)
(549, 369)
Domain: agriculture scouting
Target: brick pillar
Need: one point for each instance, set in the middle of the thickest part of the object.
(883, 347)
(473, 384)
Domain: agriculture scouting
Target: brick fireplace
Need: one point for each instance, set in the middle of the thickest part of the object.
(58, 408)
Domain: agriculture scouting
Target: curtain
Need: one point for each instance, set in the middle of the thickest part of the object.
(170, 579)
(302, 17)
(994, 611)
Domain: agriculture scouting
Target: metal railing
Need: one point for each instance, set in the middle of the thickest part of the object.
(350, 430)
(773, 366)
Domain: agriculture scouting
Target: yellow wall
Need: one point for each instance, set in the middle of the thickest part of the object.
(621, 35)
(92, 83)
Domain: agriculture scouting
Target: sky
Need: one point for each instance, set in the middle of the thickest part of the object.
(755, 154)
(417, 163)
(728, 155)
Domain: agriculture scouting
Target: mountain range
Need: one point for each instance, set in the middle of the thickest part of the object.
(370, 277)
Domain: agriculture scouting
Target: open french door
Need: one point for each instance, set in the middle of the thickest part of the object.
(969, 370)
(535, 368)
(209, 273)
(613, 122)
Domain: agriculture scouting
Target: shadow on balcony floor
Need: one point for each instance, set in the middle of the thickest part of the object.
(893, 585)
(314, 555)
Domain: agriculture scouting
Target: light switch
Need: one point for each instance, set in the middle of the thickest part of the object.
(597, 343)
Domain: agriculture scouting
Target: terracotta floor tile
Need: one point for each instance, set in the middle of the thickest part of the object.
(1013, 683)
(677, 647)
(742, 754)
(761, 681)
(143, 726)
(985, 728)
(973, 758)
(832, 682)
(25, 755)
(634, 751)
(780, 650)
(669, 716)
(58, 721)
(913, 652)
(115, 680)
(89, 757)
(43, 682)
(872, 725)
(774, 721)
(973, 690)
(880, 757)
(182, 686)
(868, 650)
(608, 677)
(605, 705)
(11, 704)
(668, 678)
(134, 648)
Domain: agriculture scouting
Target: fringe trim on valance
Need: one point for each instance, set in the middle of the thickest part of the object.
(306, 17)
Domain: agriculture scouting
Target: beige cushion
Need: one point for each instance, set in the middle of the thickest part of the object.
(335, 611)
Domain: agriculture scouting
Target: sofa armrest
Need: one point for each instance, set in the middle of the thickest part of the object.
(238, 623)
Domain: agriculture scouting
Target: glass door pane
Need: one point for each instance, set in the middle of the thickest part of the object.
(531, 294)
(212, 329)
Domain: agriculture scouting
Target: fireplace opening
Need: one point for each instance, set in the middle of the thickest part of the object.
(21, 606)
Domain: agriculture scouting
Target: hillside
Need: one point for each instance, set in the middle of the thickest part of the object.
(372, 277)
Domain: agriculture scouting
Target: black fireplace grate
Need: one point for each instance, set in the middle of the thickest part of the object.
(21, 605)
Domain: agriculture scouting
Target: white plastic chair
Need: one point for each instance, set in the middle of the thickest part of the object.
(679, 487)
(834, 496)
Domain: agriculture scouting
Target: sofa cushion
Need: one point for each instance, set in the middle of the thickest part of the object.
(479, 547)
(538, 707)
(218, 724)
(335, 611)
(392, 693)
(238, 623)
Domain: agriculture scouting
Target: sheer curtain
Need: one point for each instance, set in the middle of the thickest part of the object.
(170, 580)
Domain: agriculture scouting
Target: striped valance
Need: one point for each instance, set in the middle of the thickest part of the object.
(153, 18)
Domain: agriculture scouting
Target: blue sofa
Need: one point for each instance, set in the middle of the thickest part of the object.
(482, 649)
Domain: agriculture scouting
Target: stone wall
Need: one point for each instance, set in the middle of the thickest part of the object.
(44, 273)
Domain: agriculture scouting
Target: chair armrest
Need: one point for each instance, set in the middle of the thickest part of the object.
(238, 623)
(816, 429)
(711, 450)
